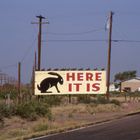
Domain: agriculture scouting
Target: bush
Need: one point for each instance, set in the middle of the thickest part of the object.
(42, 109)
(13, 93)
(1, 121)
(6, 111)
(33, 110)
(40, 127)
(102, 100)
(83, 99)
(116, 102)
(53, 100)
(27, 111)
(115, 94)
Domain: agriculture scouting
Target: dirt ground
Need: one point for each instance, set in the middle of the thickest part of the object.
(65, 117)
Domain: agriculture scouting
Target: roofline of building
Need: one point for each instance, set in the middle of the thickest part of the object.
(137, 78)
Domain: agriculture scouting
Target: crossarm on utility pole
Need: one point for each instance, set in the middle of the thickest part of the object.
(39, 38)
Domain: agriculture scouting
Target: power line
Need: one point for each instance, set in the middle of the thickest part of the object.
(28, 50)
(126, 41)
(74, 40)
(91, 40)
(76, 33)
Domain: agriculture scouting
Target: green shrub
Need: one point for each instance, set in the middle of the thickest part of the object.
(27, 111)
(53, 100)
(116, 102)
(40, 127)
(13, 94)
(102, 100)
(42, 109)
(83, 99)
(115, 94)
(33, 110)
(7, 111)
(1, 121)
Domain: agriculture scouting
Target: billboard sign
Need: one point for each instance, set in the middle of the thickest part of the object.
(70, 82)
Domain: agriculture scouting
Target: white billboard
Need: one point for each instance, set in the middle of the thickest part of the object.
(70, 82)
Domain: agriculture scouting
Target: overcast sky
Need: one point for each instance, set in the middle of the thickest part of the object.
(69, 20)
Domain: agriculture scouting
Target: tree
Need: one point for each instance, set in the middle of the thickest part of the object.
(121, 76)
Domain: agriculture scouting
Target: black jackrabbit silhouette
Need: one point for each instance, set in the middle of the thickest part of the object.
(50, 82)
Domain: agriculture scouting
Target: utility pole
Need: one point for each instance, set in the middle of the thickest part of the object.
(109, 52)
(35, 62)
(40, 38)
(39, 42)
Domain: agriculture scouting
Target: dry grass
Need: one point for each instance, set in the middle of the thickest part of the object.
(121, 98)
(64, 117)
(93, 108)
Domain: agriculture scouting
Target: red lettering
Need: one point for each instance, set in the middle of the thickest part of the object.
(70, 76)
(70, 88)
(89, 77)
(77, 85)
(98, 76)
(96, 87)
(88, 87)
(80, 76)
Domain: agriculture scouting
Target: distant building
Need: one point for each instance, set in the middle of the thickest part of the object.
(131, 85)
(113, 88)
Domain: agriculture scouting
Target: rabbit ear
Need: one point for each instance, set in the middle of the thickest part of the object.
(53, 73)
